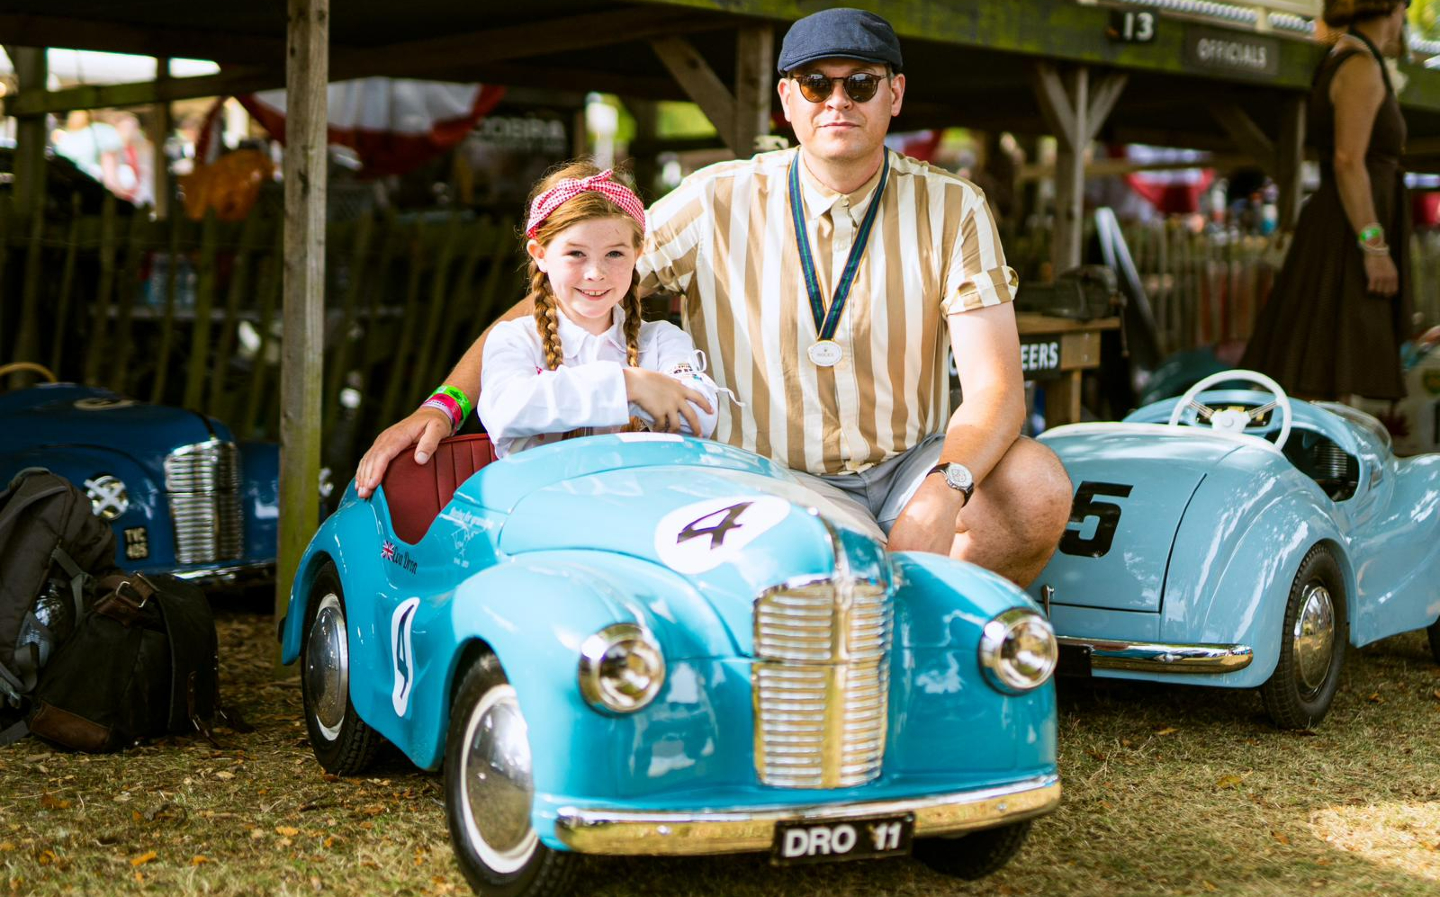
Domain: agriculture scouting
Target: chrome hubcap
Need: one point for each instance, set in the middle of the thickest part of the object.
(327, 667)
(1314, 637)
(495, 777)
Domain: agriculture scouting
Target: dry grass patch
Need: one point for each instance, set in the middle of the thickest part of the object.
(1168, 791)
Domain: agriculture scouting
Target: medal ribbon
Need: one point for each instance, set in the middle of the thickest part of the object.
(826, 323)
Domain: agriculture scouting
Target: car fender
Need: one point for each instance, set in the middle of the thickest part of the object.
(356, 522)
(1231, 571)
(260, 497)
(146, 506)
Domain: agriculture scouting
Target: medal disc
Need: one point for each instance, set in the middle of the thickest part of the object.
(826, 353)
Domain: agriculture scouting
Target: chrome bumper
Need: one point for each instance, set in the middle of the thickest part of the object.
(234, 575)
(682, 833)
(1150, 657)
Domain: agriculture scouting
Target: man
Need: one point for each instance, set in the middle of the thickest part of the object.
(822, 282)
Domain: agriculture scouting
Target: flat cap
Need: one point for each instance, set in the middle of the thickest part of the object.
(840, 33)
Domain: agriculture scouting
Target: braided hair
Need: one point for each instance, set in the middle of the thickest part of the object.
(584, 207)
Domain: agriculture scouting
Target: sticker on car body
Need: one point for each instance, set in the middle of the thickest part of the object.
(706, 534)
(402, 654)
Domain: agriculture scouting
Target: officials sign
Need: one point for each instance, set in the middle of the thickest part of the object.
(1232, 52)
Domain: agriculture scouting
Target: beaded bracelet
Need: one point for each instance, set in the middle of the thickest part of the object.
(1370, 232)
(1375, 248)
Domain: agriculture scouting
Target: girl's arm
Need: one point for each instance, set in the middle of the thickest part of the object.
(1357, 91)
(519, 398)
(668, 350)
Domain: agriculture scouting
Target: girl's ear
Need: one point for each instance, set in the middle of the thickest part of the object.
(537, 253)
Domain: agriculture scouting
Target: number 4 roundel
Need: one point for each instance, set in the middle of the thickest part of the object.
(1107, 514)
(706, 534)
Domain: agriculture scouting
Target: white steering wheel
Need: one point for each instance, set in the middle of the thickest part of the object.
(1229, 420)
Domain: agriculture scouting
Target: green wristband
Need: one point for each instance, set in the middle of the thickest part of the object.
(460, 398)
(1371, 232)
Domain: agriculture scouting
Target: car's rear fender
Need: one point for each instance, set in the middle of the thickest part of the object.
(1234, 562)
(1401, 547)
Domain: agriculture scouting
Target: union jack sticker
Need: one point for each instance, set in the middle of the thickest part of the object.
(387, 551)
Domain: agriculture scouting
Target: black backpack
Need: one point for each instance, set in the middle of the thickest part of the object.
(99, 658)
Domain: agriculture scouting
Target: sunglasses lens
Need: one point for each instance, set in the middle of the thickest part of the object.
(861, 87)
(815, 88)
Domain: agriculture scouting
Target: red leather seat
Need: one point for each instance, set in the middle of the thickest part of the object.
(417, 492)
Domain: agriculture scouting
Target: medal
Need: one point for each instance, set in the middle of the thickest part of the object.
(825, 353)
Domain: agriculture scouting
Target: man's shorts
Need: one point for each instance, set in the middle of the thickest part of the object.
(876, 496)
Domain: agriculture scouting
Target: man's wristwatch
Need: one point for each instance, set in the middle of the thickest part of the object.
(957, 477)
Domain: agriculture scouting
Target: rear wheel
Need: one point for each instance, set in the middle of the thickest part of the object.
(489, 792)
(975, 855)
(342, 742)
(1434, 632)
(1312, 645)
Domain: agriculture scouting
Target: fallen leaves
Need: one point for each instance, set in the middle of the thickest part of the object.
(143, 858)
(1168, 730)
(1280, 837)
(1228, 781)
(51, 802)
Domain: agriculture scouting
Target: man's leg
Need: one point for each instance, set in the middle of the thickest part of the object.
(1012, 523)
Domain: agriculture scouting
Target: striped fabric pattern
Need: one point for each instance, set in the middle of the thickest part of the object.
(723, 241)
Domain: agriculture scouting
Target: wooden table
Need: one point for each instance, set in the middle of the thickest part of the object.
(1055, 351)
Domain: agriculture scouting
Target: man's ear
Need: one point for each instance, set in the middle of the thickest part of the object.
(537, 253)
(783, 87)
(897, 94)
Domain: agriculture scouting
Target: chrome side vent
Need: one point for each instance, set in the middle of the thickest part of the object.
(203, 484)
(820, 681)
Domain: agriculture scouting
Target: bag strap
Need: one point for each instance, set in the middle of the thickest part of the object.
(78, 578)
(12, 734)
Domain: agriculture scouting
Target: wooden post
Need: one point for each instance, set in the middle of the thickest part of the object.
(754, 86)
(1289, 156)
(160, 126)
(306, 73)
(30, 72)
(1074, 113)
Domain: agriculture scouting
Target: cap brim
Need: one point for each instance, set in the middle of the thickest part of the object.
(835, 55)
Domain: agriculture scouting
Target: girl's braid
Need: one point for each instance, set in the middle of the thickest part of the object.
(631, 306)
(545, 318)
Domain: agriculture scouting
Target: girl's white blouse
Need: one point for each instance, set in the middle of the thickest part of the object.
(523, 405)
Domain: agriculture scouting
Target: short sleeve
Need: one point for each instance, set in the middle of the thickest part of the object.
(674, 227)
(977, 275)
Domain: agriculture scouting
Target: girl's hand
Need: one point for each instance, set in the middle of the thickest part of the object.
(1384, 279)
(665, 399)
(423, 429)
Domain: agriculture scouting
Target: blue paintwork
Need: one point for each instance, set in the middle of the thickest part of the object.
(542, 549)
(1213, 532)
(80, 432)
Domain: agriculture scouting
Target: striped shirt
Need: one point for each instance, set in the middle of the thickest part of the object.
(724, 240)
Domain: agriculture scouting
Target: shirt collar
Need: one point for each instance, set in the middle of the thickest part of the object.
(820, 199)
(573, 337)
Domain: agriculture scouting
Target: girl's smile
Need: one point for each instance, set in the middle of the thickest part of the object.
(590, 266)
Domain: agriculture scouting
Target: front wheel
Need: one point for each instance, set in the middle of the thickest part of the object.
(342, 742)
(975, 855)
(489, 792)
(1312, 645)
(1434, 632)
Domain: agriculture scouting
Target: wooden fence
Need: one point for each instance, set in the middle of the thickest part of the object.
(188, 313)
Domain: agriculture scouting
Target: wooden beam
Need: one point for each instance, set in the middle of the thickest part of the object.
(30, 72)
(144, 93)
(1065, 102)
(91, 32)
(1248, 136)
(700, 82)
(1056, 104)
(160, 125)
(1102, 101)
(302, 351)
(754, 86)
(1289, 154)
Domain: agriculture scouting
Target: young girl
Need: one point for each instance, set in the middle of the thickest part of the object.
(587, 363)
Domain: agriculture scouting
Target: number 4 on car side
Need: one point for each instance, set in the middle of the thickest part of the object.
(1234, 537)
(656, 645)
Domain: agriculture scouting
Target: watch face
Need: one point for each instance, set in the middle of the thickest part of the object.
(958, 476)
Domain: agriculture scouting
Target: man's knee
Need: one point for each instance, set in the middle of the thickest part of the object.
(1039, 492)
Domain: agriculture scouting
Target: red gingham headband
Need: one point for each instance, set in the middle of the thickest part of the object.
(546, 203)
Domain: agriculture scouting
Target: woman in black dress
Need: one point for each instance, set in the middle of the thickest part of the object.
(1341, 308)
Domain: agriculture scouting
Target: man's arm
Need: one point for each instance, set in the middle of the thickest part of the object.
(425, 427)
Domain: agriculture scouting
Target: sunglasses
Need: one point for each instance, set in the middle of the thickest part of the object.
(859, 87)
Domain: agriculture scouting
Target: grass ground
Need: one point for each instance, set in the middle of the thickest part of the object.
(1168, 791)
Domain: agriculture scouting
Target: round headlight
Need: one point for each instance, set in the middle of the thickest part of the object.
(1018, 651)
(621, 668)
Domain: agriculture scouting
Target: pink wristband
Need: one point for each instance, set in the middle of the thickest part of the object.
(447, 405)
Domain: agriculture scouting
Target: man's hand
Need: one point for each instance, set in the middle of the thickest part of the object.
(665, 399)
(930, 519)
(423, 429)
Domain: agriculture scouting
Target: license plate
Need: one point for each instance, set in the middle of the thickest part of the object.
(842, 839)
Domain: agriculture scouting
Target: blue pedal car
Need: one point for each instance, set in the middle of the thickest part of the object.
(649, 644)
(182, 495)
(1237, 538)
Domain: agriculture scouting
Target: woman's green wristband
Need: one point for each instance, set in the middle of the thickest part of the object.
(460, 399)
(1371, 232)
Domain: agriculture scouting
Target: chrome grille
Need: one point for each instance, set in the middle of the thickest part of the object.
(821, 681)
(203, 482)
